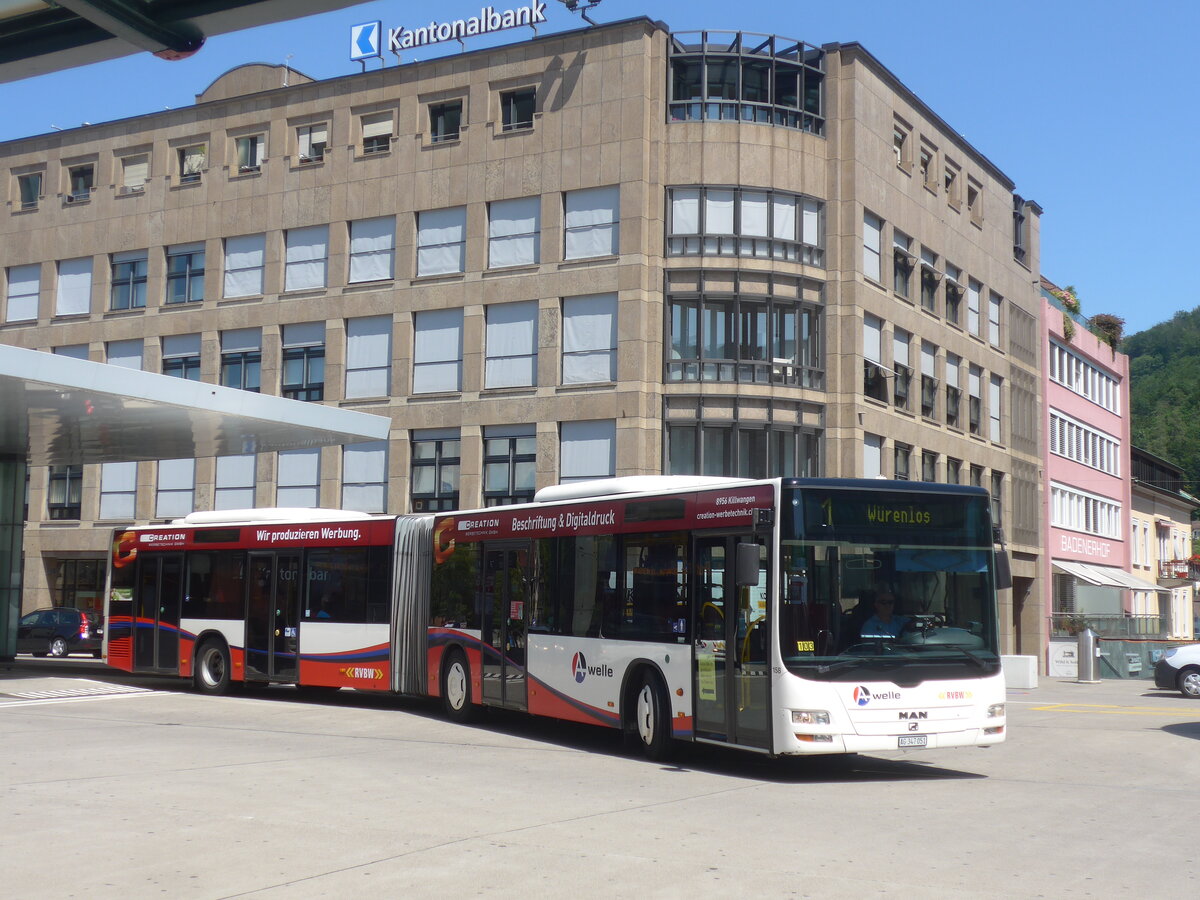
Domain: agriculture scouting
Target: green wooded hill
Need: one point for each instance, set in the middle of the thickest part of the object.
(1164, 392)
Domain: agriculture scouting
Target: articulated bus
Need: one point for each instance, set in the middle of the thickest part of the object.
(783, 616)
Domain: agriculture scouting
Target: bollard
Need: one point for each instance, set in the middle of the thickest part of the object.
(1088, 652)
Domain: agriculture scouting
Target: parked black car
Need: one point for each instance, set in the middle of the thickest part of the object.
(60, 631)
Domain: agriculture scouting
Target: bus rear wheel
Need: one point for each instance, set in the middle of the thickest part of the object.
(212, 673)
(456, 688)
(652, 719)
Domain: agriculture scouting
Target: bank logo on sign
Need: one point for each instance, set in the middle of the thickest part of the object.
(364, 40)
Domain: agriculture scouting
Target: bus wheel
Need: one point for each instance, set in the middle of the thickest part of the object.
(212, 673)
(456, 688)
(652, 718)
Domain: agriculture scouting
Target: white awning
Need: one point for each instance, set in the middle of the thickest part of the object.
(1107, 576)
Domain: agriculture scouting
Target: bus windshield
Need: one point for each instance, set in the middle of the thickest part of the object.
(895, 582)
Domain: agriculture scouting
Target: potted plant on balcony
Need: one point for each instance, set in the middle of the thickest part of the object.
(1108, 328)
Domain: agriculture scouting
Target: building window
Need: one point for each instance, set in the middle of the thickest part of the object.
(742, 450)
(129, 280)
(976, 476)
(1020, 230)
(901, 459)
(72, 351)
(874, 373)
(174, 497)
(929, 382)
(902, 263)
(24, 286)
(251, 151)
(368, 357)
(298, 478)
(82, 179)
(744, 222)
(997, 493)
(975, 201)
(1072, 439)
(953, 470)
(509, 464)
(127, 354)
(234, 484)
(872, 456)
(441, 241)
(761, 332)
(995, 390)
(930, 276)
(928, 167)
(364, 477)
(445, 121)
(514, 229)
(510, 345)
(902, 368)
(954, 294)
(587, 450)
(193, 160)
(591, 222)
(307, 258)
(747, 78)
(135, 172)
(241, 359)
(1082, 511)
(304, 361)
(974, 290)
(516, 109)
(181, 356)
(975, 399)
(435, 469)
(928, 465)
(376, 133)
(437, 351)
(900, 146)
(74, 287)
(29, 189)
(372, 249)
(118, 490)
(950, 183)
(65, 492)
(244, 265)
(185, 273)
(995, 301)
(589, 339)
(953, 391)
(872, 242)
(311, 141)
(1077, 375)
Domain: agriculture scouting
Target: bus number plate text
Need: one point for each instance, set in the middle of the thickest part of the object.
(913, 740)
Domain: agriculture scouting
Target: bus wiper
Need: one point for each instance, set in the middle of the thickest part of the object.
(965, 652)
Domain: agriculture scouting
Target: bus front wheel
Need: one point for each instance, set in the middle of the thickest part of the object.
(212, 674)
(652, 718)
(456, 688)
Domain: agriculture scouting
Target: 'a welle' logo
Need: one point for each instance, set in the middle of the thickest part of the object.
(582, 670)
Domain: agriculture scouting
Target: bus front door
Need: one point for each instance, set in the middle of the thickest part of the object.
(731, 657)
(273, 617)
(505, 590)
(156, 612)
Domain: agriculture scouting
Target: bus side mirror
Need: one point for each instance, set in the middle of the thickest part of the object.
(745, 565)
(1003, 571)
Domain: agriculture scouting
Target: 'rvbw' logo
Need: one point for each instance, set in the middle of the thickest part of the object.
(581, 669)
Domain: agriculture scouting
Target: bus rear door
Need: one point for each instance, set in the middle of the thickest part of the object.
(156, 606)
(273, 598)
(505, 592)
(731, 644)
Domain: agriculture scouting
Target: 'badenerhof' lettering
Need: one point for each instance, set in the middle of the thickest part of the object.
(487, 21)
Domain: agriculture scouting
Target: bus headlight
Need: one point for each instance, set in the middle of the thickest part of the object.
(995, 711)
(810, 717)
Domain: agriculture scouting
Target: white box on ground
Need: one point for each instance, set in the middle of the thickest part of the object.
(1020, 671)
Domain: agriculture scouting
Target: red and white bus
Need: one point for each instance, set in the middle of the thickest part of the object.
(785, 616)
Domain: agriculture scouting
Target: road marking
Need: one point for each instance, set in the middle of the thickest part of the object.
(70, 695)
(1112, 710)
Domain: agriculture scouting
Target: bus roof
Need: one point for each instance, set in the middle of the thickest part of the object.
(271, 514)
(631, 484)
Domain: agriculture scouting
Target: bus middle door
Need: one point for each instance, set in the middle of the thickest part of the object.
(273, 599)
(505, 592)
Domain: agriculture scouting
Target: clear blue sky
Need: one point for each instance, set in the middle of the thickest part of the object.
(1089, 106)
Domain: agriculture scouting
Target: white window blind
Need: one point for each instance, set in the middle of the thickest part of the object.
(135, 171)
(304, 334)
(311, 141)
(176, 487)
(900, 347)
(193, 159)
(74, 287)
(994, 302)
(588, 450)
(377, 125)
(368, 357)
(441, 241)
(298, 478)
(755, 215)
(437, 351)
(244, 265)
(180, 345)
(928, 359)
(372, 249)
(974, 377)
(118, 490)
(783, 221)
(24, 284)
(872, 456)
(74, 351)
(685, 211)
(994, 390)
(511, 345)
(589, 345)
(952, 365)
(873, 339)
(364, 477)
(234, 488)
(973, 290)
(718, 211)
(513, 230)
(241, 340)
(872, 238)
(127, 354)
(307, 258)
(590, 221)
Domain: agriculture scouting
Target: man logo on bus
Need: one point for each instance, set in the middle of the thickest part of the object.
(579, 664)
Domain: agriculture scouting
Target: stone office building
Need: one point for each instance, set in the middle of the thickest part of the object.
(611, 251)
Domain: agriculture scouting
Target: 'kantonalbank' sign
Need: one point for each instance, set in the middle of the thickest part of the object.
(488, 20)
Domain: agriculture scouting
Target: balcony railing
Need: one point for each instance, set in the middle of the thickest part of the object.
(1110, 625)
(1178, 570)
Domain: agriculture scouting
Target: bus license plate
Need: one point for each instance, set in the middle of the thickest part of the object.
(913, 740)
